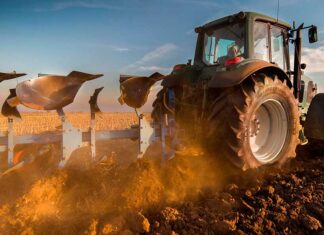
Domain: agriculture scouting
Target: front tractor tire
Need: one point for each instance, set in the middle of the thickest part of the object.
(255, 123)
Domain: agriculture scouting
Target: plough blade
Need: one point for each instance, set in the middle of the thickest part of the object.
(135, 89)
(51, 92)
(31, 155)
(83, 77)
(94, 108)
(8, 76)
(9, 111)
(12, 169)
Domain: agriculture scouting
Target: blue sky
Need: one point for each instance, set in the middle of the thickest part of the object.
(133, 36)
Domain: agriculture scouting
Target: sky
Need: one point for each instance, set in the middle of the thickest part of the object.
(116, 37)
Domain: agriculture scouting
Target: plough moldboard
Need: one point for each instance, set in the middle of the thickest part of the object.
(52, 92)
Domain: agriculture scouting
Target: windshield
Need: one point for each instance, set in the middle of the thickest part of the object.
(223, 43)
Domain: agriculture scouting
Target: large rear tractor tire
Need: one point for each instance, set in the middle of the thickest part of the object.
(255, 123)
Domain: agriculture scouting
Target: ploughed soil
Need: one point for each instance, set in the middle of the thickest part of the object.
(187, 195)
(281, 201)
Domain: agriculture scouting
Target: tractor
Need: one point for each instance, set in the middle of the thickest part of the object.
(239, 98)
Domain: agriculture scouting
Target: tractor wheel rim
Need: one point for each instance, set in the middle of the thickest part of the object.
(268, 131)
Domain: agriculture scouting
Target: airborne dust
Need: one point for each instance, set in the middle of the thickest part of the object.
(42, 200)
(189, 194)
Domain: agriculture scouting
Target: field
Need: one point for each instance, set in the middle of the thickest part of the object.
(33, 123)
(188, 195)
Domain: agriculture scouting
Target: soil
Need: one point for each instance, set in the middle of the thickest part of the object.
(289, 200)
(186, 195)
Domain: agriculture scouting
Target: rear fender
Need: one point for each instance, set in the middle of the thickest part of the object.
(236, 74)
(314, 124)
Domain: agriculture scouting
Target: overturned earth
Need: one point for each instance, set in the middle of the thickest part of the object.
(189, 194)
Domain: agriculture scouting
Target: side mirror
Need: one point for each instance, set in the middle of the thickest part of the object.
(312, 34)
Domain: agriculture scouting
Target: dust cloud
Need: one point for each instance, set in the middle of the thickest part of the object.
(107, 198)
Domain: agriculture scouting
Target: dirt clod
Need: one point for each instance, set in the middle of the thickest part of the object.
(271, 190)
(138, 223)
(310, 222)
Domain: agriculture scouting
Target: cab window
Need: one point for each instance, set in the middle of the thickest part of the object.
(268, 44)
(223, 43)
(277, 47)
(261, 41)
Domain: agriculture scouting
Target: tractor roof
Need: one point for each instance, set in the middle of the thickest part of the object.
(248, 15)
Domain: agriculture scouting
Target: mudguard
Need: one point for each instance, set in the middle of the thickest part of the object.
(314, 124)
(236, 74)
(227, 76)
(51, 92)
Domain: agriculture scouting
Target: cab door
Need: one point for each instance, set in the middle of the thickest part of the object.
(269, 44)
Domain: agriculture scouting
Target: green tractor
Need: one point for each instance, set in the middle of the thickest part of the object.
(240, 98)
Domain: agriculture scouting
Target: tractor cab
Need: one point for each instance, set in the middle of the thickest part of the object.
(246, 35)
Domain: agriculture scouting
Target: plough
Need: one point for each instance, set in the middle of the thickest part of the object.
(52, 92)
(239, 98)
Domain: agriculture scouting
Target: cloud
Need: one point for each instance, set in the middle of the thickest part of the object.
(157, 53)
(314, 59)
(108, 46)
(154, 68)
(62, 5)
(117, 48)
(147, 62)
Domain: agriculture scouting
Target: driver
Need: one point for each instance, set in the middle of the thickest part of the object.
(233, 56)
